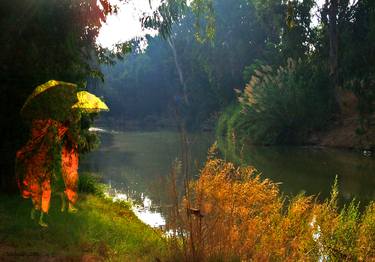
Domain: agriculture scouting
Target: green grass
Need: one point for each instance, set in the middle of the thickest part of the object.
(101, 229)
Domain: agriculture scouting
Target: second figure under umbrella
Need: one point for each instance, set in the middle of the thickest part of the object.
(53, 145)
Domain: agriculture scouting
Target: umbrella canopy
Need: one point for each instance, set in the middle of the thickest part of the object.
(51, 100)
(89, 103)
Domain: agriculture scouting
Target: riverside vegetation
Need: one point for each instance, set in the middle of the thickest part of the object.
(228, 214)
(233, 214)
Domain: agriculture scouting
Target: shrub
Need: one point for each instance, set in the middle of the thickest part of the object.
(233, 214)
(285, 105)
(231, 128)
(90, 183)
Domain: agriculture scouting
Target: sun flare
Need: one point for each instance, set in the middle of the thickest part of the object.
(126, 25)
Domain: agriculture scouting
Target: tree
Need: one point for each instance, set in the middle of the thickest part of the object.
(206, 73)
(330, 13)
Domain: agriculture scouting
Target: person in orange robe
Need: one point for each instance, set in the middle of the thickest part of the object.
(69, 168)
(35, 164)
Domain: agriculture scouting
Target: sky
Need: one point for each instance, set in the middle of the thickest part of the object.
(125, 25)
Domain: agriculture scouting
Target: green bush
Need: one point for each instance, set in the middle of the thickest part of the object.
(284, 105)
(231, 130)
(90, 183)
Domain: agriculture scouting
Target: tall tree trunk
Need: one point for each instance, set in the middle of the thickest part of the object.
(179, 71)
(333, 40)
(333, 48)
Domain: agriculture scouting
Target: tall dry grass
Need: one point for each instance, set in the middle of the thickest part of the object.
(232, 214)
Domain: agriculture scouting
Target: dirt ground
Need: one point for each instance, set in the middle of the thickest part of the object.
(11, 254)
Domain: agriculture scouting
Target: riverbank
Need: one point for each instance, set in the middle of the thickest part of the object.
(101, 230)
(345, 134)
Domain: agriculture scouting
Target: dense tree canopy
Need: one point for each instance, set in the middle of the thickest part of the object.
(211, 69)
(42, 40)
(336, 54)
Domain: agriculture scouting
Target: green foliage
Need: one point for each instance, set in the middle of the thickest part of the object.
(204, 11)
(51, 39)
(42, 40)
(367, 233)
(283, 105)
(173, 11)
(231, 130)
(90, 184)
(169, 12)
(148, 84)
(357, 55)
(249, 71)
(289, 111)
(87, 141)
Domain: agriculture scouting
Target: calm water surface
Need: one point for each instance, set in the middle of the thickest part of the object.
(138, 164)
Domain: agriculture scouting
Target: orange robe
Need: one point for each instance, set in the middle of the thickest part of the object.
(69, 165)
(35, 162)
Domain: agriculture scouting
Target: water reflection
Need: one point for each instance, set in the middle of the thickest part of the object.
(146, 211)
(313, 170)
(136, 166)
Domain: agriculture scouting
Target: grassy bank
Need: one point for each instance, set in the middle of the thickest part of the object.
(101, 230)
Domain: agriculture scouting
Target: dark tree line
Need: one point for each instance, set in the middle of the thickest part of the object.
(197, 75)
(336, 50)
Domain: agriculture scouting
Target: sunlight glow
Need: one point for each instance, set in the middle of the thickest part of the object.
(125, 25)
(319, 5)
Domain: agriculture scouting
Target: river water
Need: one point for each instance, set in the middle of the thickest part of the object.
(136, 165)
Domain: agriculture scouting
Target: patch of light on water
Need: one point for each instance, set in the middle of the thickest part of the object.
(143, 212)
(151, 218)
(316, 236)
(101, 130)
(120, 197)
(147, 202)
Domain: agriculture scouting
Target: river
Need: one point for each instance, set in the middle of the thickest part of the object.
(137, 165)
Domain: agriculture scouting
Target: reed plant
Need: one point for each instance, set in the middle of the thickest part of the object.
(233, 214)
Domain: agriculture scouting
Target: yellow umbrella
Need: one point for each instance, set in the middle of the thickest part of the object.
(52, 99)
(89, 103)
